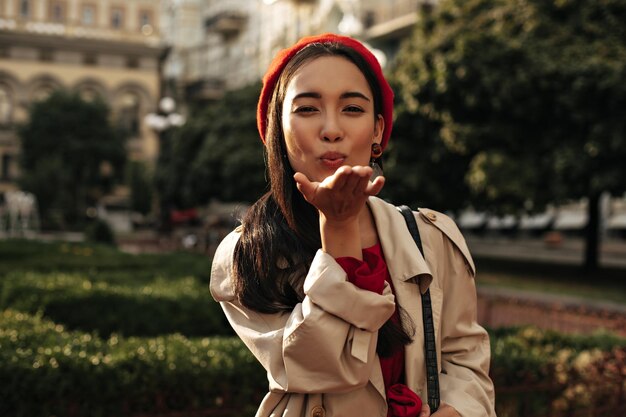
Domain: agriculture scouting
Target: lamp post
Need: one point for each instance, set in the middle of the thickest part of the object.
(166, 117)
(161, 122)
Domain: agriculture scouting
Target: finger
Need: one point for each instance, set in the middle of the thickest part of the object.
(363, 170)
(364, 173)
(338, 180)
(375, 187)
(344, 178)
(352, 183)
(425, 410)
(362, 185)
(306, 187)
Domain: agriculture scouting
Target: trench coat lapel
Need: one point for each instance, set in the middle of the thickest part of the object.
(406, 266)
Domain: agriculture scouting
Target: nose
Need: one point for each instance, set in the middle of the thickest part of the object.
(331, 129)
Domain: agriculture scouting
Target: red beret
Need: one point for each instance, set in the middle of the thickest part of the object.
(282, 58)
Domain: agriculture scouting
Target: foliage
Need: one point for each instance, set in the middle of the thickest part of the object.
(164, 306)
(100, 373)
(68, 146)
(141, 187)
(100, 231)
(545, 373)
(417, 164)
(217, 154)
(134, 295)
(529, 93)
(99, 262)
(74, 373)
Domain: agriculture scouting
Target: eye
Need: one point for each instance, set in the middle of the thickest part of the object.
(353, 109)
(305, 109)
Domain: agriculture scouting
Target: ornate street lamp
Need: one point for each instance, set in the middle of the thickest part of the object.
(161, 122)
(166, 117)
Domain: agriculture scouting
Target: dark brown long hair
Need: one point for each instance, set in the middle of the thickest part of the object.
(281, 230)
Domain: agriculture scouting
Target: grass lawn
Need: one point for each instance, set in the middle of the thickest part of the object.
(95, 261)
(603, 285)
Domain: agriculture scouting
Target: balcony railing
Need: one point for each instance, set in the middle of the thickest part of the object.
(76, 30)
(375, 13)
(227, 23)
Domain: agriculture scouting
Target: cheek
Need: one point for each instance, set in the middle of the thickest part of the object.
(295, 132)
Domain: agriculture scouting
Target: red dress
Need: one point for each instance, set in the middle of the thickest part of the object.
(370, 274)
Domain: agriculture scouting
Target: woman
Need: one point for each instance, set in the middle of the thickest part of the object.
(322, 281)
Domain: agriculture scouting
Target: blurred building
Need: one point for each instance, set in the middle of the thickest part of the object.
(110, 48)
(219, 45)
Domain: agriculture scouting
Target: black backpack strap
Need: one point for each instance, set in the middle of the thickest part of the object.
(432, 373)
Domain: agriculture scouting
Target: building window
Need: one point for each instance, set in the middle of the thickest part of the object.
(88, 15)
(46, 55)
(129, 114)
(6, 166)
(90, 59)
(132, 62)
(117, 18)
(145, 18)
(88, 93)
(145, 22)
(57, 11)
(6, 105)
(43, 92)
(25, 9)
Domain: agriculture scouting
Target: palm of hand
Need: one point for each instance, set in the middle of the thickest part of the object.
(341, 196)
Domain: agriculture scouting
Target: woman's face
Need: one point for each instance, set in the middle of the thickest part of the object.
(328, 117)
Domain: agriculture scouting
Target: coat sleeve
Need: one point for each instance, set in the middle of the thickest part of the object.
(465, 352)
(327, 343)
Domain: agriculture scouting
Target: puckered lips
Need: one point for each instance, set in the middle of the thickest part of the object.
(333, 160)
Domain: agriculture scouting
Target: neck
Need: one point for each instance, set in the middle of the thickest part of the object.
(367, 227)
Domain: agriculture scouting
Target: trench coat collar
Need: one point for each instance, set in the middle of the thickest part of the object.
(408, 269)
(402, 256)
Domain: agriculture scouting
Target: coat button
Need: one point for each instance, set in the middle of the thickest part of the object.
(431, 216)
(318, 411)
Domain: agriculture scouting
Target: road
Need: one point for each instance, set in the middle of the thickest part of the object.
(570, 251)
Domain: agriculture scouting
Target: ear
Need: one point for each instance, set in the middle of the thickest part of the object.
(379, 128)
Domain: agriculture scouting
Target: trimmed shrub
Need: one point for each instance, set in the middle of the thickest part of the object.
(545, 373)
(99, 262)
(164, 306)
(79, 374)
(99, 231)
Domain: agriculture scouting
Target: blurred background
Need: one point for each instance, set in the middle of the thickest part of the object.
(128, 149)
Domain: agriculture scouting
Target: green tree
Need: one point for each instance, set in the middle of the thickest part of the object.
(417, 164)
(217, 154)
(141, 188)
(71, 156)
(533, 92)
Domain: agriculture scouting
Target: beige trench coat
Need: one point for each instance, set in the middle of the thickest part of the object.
(321, 357)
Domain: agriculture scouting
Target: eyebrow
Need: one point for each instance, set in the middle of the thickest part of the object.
(349, 94)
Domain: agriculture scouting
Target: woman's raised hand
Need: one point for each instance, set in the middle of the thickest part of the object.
(341, 196)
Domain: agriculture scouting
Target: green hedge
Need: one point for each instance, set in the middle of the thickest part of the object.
(70, 310)
(546, 373)
(164, 306)
(538, 373)
(46, 370)
(94, 260)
